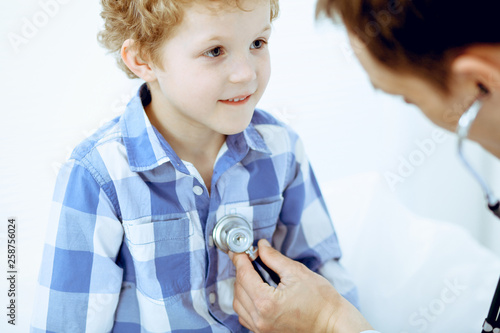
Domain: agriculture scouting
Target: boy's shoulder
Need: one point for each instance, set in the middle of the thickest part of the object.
(107, 133)
(109, 142)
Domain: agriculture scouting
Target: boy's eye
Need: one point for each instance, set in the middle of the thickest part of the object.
(258, 44)
(213, 53)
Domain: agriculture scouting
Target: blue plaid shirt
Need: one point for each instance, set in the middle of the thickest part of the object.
(129, 249)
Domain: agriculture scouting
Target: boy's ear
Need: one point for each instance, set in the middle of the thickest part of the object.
(478, 66)
(134, 62)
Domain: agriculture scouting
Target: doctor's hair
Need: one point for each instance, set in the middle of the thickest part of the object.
(421, 37)
(149, 23)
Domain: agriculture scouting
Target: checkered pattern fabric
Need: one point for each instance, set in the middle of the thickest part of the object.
(129, 249)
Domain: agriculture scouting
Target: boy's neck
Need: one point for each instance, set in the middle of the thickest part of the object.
(199, 146)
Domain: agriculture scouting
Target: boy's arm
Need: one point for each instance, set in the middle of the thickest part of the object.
(79, 282)
(305, 231)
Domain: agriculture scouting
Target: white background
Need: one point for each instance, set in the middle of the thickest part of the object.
(59, 86)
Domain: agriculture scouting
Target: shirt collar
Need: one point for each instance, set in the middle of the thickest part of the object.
(147, 149)
(252, 138)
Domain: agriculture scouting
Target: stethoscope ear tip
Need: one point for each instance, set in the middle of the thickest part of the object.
(495, 208)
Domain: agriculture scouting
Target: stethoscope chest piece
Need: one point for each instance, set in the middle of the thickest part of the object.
(233, 233)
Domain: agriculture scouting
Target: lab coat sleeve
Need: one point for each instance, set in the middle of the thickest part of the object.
(79, 282)
(305, 231)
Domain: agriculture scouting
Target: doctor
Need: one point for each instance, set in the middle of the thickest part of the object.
(441, 55)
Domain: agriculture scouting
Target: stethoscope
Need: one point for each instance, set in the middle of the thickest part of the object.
(234, 233)
(492, 322)
(464, 125)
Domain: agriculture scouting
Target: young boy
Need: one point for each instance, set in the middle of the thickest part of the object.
(129, 247)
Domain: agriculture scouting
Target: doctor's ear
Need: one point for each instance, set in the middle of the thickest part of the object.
(135, 63)
(480, 67)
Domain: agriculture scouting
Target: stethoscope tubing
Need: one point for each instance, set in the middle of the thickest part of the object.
(275, 277)
(465, 122)
(493, 321)
(495, 306)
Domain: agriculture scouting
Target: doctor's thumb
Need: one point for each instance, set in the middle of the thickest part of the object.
(273, 259)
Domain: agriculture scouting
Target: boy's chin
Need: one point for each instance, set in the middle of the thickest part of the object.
(235, 126)
(232, 129)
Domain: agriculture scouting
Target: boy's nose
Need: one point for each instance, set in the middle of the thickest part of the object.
(242, 70)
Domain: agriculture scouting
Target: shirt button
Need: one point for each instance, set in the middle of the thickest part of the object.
(211, 298)
(210, 241)
(197, 190)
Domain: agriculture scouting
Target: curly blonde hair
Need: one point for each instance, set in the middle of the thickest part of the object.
(149, 23)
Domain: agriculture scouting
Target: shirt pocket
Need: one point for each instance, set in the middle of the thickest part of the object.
(263, 218)
(161, 257)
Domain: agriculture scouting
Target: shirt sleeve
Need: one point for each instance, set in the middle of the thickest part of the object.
(79, 282)
(305, 231)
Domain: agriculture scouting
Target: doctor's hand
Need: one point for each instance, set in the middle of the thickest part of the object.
(303, 301)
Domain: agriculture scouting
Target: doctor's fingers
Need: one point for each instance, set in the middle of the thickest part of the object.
(276, 261)
(242, 301)
(259, 314)
(247, 277)
(244, 323)
(243, 306)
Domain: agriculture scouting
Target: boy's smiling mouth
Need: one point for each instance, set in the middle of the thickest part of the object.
(237, 100)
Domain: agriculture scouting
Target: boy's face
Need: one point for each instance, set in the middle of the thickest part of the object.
(215, 68)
